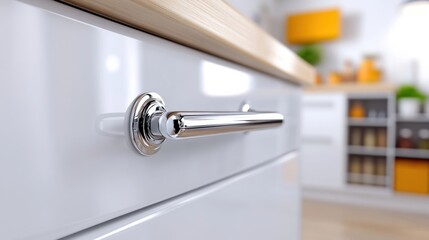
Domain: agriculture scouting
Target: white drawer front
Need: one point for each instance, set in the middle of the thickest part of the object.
(61, 171)
(262, 204)
(323, 140)
(323, 114)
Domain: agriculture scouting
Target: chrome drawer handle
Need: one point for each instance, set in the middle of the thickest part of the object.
(150, 124)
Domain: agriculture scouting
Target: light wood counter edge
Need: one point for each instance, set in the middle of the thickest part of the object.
(211, 26)
(352, 88)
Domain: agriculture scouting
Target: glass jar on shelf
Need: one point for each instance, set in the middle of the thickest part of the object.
(356, 137)
(381, 137)
(368, 71)
(424, 139)
(369, 139)
(405, 138)
(369, 170)
(372, 113)
(381, 166)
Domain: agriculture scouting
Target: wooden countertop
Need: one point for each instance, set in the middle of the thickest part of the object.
(212, 26)
(382, 87)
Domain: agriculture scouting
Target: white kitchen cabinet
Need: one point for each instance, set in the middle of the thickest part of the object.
(323, 144)
(257, 204)
(68, 78)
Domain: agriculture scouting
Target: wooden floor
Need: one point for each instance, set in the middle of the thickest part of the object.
(332, 221)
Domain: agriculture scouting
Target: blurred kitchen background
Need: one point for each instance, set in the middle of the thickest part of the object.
(365, 122)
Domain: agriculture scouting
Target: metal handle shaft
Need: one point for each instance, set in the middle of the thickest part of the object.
(178, 125)
(150, 123)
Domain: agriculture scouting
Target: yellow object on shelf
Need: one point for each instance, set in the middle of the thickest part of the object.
(412, 176)
(368, 71)
(313, 27)
(334, 78)
(357, 110)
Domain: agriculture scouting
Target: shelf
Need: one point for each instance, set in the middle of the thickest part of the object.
(366, 91)
(367, 180)
(418, 119)
(368, 122)
(372, 190)
(412, 153)
(369, 96)
(371, 151)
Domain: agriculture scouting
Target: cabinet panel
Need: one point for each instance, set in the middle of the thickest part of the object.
(323, 144)
(263, 203)
(412, 176)
(322, 114)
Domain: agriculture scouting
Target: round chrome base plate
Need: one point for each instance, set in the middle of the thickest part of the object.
(140, 114)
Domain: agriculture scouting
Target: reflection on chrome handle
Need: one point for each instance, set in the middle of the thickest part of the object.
(177, 125)
(150, 124)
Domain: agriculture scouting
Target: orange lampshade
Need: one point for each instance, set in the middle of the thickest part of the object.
(313, 27)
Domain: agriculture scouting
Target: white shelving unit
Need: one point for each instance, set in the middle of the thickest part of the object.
(392, 123)
(326, 149)
(381, 103)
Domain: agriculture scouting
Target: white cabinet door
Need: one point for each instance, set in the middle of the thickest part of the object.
(66, 78)
(323, 140)
(263, 203)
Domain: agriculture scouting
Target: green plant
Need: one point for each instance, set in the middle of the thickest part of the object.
(410, 91)
(311, 54)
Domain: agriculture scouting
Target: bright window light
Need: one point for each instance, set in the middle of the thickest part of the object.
(410, 34)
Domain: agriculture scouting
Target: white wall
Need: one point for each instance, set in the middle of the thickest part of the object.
(257, 11)
(249, 8)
